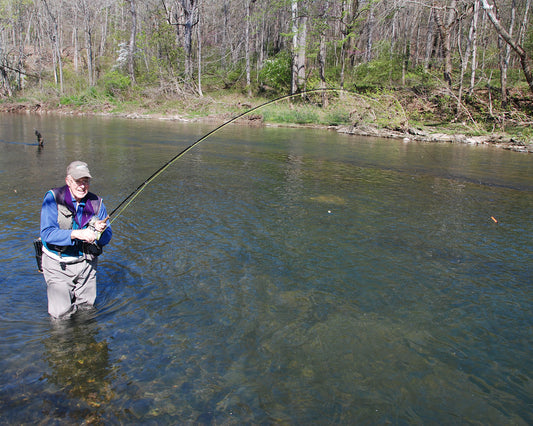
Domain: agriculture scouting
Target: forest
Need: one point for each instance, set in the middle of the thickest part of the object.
(447, 60)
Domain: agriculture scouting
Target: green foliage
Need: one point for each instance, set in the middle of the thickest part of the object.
(232, 76)
(72, 81)
(523, 134)
(528, 43)
(276, 72)
(86, 98)
(389, 70)
(337, 118)
(299, 115)
(116, 83)
(420, 77)
(371, 73)
(162, 53)
(296, 113)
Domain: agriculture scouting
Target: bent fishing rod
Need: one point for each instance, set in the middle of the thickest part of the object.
(123, 205)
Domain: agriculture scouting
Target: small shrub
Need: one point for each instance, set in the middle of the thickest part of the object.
(276, 72)
(90, 97)
(336, 118)
(296, 115)
(116, 83)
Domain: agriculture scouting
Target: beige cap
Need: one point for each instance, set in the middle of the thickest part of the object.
(78, 170)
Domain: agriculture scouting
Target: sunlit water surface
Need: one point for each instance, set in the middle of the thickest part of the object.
(272, 276)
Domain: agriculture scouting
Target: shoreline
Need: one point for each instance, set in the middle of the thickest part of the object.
(498, 140)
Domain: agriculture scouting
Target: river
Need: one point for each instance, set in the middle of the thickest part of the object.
(272, 275)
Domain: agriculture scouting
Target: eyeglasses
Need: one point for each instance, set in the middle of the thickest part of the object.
(81, 181)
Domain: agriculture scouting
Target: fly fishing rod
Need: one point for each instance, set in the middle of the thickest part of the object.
(134, 194)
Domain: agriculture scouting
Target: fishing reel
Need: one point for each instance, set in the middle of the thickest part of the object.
(92, 226)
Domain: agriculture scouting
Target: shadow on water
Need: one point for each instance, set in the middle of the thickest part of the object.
(79, 370)
(21, 143)
(70, 382)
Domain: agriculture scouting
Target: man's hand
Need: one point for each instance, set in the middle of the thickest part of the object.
(100, 225)
(86, 234)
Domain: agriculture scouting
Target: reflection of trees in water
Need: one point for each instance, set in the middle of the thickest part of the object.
(79, 363)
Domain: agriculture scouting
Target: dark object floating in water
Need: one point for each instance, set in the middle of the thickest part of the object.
(40, 139)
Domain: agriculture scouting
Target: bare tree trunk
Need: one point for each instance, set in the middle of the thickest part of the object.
(247, 46)
(294, 73)
(22, 42)
(322, 54)
(189, 10)
(103, 36)
(322, 68)
(75, 43)
(505, 56)
(5, 81)
(260, 42)
(474, 46)
(5, 84)
(348, 14)
(299, 40)
(344, 46)
(519, 50)
(466, 56)
(56, 51)
(225, 37)
(87, 23)
(430, 42)
(199, 36)
(89, 51)
(38, 47)
(370, 32)
(188, 21)
(523, 26)
(132, 45)
(445, 36)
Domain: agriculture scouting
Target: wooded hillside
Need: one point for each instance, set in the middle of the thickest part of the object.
(124, 48)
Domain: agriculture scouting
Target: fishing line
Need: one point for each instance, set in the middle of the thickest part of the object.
(134, 194)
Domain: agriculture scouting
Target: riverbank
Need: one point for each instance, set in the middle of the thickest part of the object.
(357, 119)
(414, 134)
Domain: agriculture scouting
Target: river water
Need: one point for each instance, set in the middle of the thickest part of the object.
(271, 276)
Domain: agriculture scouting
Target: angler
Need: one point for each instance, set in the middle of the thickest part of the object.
(74, 229)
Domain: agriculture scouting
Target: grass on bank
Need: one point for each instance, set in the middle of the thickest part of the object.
(338, 109)
(394, 109)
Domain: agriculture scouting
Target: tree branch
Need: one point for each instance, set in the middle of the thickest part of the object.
(524, 58)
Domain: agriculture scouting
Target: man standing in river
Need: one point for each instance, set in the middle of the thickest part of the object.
(74, 228)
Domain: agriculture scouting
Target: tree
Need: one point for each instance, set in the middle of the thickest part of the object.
(349, 14)
(473, 41)
(54, 35)
(313, 39)
(469, 51)
(199, 52)
(445, 18)
(322, 51)
(88, 19)
(190, 11)
(517, 48)
(299, 40)
(248, 6)
(184, 14)
(133, 38)
(370, 26)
